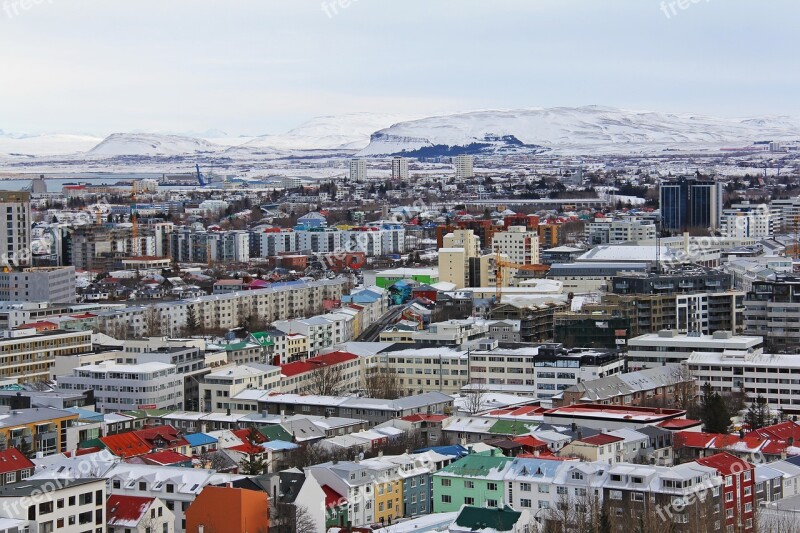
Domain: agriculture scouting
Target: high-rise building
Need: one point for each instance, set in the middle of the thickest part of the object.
(519, 243)
(399, 168)
(358, 169)
(454, 258)
(463, 166)
(690, 202)
(15, 233)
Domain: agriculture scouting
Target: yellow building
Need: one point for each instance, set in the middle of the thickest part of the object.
(42, 429)
(388, 500)
(454, 257)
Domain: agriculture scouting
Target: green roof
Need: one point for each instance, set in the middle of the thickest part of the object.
(263, 338)
(512, 427)
(236, 346)
(475, 465)
(480, 518)
(275, 432)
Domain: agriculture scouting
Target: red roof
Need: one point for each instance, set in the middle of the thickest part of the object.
(725, 463)
(783, 431)
(126, 511)
(247, 448)
(525, 410)
(12, 460)
(125, 444)
(169, 434)
(423, 418)
(601, 439)
(678, 423)
(530, 441)
(83, 451)
(332, 498)
(245, 435)
(165, 457)
(313, 363)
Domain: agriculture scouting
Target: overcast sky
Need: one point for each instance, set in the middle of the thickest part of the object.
(265, 66)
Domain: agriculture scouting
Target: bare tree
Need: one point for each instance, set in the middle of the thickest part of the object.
(153, 327)
(327, 380)
(474, 398)
(382, 383)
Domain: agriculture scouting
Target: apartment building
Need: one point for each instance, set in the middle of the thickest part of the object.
(39, 284)
(668, 347)
(127, 387)
(463, 165)
(542, 371)
(225, 310)
(519, 244)
(772, 311)
(400, 168)
(611, 231)
(56, 504)
(319, 332)
(444, 368)
(27, 355)
(41, 429)
(339, 372)
(15, 233)
(218, 387)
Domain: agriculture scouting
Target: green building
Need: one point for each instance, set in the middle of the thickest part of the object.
(425, 276)
(472, 480)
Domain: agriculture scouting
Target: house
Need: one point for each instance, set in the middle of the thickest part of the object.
(14, 466)
(125, 514)
(738, 490)
(229, 509)
(473, 480)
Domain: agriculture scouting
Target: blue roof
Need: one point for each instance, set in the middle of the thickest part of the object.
(86, 414)
(533, 466)
(455, 450)
(199, 439)
(279, 445)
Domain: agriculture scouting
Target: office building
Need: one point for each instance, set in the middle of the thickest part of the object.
(15, 235)
(690, 202)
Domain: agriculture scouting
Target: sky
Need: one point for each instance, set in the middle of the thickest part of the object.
(252, 67)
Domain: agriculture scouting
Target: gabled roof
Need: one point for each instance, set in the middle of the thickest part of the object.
(783, 431)
(125, 444)
(199, 439)
(12, 460)
(165, 458)
(725, 463)
(168, 433)
(126, 511)
(601, 439)
(313, 363)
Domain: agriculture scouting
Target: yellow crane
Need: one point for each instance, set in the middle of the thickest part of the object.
(501, 264)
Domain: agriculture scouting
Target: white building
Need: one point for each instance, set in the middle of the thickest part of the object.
(218, 387)
(15, 233)
(519, 244)
(139, 514)
(60, 504)
(748, 221)
(399, 168)
(463, 166)
(123, 387)
(610, 231)
(358, 170)
(670, 347)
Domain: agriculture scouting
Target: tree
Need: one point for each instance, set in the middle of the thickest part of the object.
(473, 402)
(326, 380)
(254, 462)
(713, 411)
(192, 324)
(153, 327)
(757, 414)
(382, 383)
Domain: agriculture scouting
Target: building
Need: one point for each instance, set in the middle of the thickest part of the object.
(472, 480)
(611, 231)
(748, 221)
(56, 504)
(668, 347)
(39, 284)
(127, 387)
(27, 355)
(139, 514)
(690, 202)
(610, 417)
(581, 278)
(15, 236)
(358, 170)
(14, 467)
(772, 310)
(738, 490)
(591, 330)
(218, 387)
(463, 166)
(190, 246)
(443, 369)
(399, 168)
(228, 508)
(519, 244)
(460, 247)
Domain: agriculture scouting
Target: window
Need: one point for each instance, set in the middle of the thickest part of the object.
(544, 489)
(446, 483)
(60, 503)
(85, 498)
(11, 477)
(615, 494)
(561, 490)
(491, 503)
(469, 501)
(637, 496)
(45, 508)
(468, 484)
(524, 503)
(525, 487)
(728, 496)
(491, 486)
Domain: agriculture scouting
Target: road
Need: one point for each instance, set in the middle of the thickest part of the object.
(372, 333)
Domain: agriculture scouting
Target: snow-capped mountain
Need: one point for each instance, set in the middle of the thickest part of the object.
(47, 144)
(150, 144)
(342, 132)
(590, 128)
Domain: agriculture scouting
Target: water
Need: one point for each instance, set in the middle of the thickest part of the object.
(55, 181)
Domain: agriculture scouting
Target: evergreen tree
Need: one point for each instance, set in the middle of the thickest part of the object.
(758, 413)
(714, 412)
(254, 462)
(191, 321)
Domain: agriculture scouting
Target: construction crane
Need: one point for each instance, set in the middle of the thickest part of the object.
(134, 223)
(500, 264)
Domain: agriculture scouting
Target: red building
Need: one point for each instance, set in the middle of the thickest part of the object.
(738, 490)
(529, 221)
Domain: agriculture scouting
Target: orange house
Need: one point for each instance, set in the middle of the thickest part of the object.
(228, 509)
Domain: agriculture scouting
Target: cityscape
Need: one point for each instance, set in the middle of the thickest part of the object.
(354, 267)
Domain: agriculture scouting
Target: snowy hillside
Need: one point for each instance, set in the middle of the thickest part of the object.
(49, 144)
(593, 128)
(149, 144)
(341, 132)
